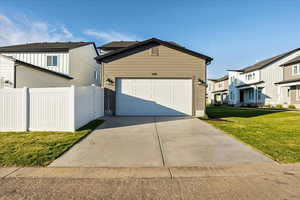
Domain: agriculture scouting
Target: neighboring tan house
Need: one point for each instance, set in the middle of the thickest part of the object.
(256, 84)
(218, 90)
(291, 80)
(153, 77)
(57, 64)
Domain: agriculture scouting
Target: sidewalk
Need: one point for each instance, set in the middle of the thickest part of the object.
(151, 172)
(260, 181)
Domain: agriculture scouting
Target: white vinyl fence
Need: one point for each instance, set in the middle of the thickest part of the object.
(50, 109)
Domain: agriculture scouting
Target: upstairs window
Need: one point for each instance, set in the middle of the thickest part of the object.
(296, 70)
(52, 61)
(250, 77)
(154, 51)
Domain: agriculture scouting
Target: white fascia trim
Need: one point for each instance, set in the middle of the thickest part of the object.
(289, 84)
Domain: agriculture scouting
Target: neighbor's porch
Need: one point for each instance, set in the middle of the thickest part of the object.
(220, 97)
(251, 96)
(293, 92)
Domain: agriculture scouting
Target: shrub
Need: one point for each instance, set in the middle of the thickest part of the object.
(292, 107)
(268, 106)
(279, 106)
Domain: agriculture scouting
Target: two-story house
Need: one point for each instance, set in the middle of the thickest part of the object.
(217, 90)
(256, 84)
(291, 80)
(55, 64)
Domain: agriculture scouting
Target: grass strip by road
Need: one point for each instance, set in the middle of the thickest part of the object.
(39, 148)
(277, 134)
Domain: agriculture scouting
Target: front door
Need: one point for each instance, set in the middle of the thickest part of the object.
(241, 96)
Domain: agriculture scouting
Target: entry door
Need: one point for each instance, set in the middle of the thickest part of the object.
(241, 96)
(161, 97)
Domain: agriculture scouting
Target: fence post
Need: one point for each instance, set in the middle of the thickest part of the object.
(94, 101)
(25, 121)
(72, 108)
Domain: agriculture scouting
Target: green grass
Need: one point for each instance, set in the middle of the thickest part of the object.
(277, 134)
(38, 148)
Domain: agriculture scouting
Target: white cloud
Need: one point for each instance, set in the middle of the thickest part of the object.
(110, 35)
(23, 30)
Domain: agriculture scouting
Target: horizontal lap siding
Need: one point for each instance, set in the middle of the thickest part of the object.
(169, 61)
(288, 73)
(169, 64)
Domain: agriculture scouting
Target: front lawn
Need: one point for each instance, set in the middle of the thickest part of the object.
(277, 134)
(38, 148)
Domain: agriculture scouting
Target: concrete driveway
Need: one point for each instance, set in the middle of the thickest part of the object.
(157, 141)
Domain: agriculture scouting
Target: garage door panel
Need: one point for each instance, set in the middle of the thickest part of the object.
(162, 92)
(154, 97)
(182, 95)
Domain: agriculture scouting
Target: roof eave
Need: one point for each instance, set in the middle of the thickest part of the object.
(35, 50)
(291, 63)
(155, 40)
(42, 69)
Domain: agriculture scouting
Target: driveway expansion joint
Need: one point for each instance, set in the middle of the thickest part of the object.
(160, 144)
(10, 173)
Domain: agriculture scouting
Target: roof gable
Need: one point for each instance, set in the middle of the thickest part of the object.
(154, 41)
(292, 61)
(266, 62)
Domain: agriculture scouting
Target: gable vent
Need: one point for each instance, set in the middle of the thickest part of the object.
(154, 51)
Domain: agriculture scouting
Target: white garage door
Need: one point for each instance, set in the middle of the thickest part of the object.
(154, 97)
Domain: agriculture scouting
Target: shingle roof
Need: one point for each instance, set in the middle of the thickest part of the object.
(156, 41)
(292, 61)
(255, 83)
(216, 91)
(116, 45)
(223, 78)
(264, 63)
(44, 47)
(121, 44)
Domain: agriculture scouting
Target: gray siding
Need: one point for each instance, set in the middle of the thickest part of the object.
(32, 78)
(288, 73)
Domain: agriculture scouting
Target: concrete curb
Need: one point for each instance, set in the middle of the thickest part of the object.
(152, 172)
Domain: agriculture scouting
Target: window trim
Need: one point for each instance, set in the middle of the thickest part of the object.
(298, 69)
(52, 60)
(250, 76)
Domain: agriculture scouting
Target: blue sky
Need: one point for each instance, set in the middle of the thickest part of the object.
(235, 33)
